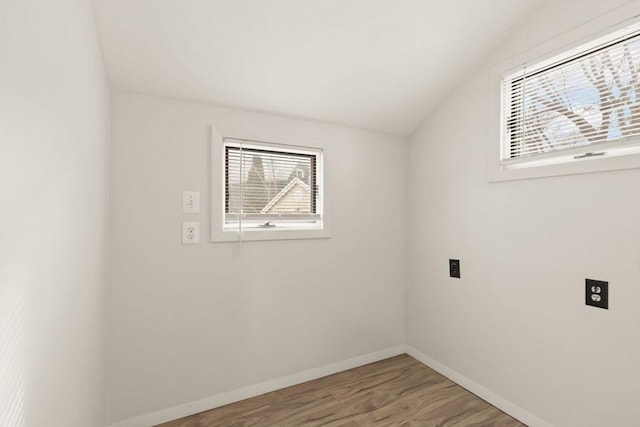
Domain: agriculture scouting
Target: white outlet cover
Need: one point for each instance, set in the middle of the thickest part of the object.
(190, 233)
(191, 202)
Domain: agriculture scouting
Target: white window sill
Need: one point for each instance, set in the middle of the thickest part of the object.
(257, 234)
(498, 172)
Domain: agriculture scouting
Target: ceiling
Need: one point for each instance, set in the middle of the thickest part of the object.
(377, 65)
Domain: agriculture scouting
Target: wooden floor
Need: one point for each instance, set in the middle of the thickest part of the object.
(399, 391)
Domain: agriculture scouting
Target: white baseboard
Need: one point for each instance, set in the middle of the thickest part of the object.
(498, 401)
(222, 399)
(180, 411)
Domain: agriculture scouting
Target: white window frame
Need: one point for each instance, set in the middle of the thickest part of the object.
(279, 141)
(562, 162)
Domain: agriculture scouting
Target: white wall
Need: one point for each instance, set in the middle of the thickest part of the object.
(516, 322)
(54, 112)
(190, 322)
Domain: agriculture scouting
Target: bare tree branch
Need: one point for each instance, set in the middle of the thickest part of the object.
(556, 104)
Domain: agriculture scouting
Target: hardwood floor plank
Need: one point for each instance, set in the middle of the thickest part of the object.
(395, 392)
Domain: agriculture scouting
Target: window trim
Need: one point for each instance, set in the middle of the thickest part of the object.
(561, 162)
(220, 233)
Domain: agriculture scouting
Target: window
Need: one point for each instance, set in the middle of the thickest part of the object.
(581, 105)
(267, 191)
(269, 186)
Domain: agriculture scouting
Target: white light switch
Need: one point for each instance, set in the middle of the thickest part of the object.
(190, 233)
(191, 202)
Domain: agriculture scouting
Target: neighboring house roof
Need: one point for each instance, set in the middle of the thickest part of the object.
(292, 184)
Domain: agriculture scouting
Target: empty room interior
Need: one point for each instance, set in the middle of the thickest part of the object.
(320, 213)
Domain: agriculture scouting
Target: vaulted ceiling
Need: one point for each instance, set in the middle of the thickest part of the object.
(378, 65)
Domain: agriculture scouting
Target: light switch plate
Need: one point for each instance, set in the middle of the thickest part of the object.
(190, 233)
(191, 202)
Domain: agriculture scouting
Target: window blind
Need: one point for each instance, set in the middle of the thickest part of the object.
(591, 98)
(268, 186)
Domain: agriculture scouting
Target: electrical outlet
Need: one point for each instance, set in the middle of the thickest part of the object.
(454, 268)
(190, 233)
(597, 293)
(190, 202)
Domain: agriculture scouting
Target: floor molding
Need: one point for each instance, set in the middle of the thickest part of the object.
(237, 395)
(498, 401)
